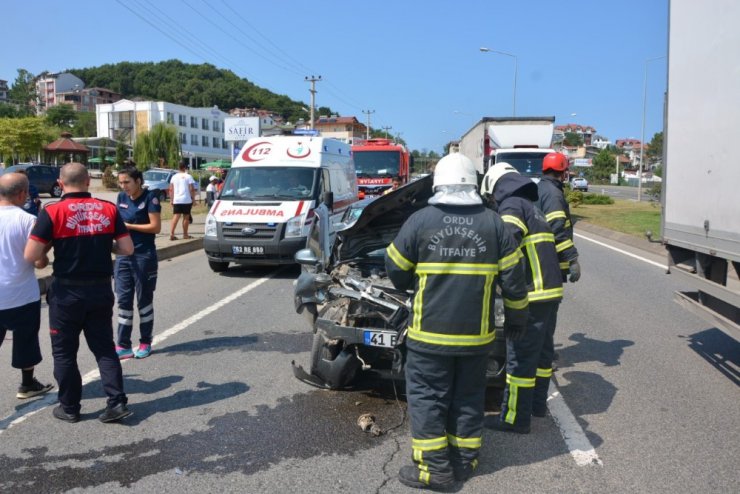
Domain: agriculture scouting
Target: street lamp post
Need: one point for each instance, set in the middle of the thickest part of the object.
(516, 70)
(642, 139)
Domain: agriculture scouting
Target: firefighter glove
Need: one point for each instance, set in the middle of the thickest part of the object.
(575, 271)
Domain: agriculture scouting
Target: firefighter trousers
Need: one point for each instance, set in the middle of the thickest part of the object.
(529, 366)
(136, 275)
(86, 309)
(446, 397)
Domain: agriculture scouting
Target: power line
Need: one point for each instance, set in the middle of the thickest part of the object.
(368, 113)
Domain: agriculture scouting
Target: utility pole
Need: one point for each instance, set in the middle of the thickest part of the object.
(386, 129)
(313, 80)
(368, 113)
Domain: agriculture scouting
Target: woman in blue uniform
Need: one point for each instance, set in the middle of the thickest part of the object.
(137, 274)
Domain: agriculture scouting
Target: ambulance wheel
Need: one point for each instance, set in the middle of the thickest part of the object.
(218, 267)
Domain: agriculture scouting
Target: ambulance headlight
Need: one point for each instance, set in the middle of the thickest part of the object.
(211, 226)
(293, 228)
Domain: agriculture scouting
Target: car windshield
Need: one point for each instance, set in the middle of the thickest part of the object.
(269, 182)
(377, 163)
(528, 164)
(15, 168)
(155, 176)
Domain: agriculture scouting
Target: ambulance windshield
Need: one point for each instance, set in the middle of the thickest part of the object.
(283, 183)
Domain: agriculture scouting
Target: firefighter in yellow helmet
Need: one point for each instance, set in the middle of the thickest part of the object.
(452, 253)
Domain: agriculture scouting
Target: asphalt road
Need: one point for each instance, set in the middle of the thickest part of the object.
(621, 191)
(653, 390)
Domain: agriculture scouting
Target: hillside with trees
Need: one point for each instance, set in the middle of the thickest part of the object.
(188, 84)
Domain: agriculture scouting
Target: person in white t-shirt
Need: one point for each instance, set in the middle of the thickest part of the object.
(20, 299)
(211, 190)
(182, 195)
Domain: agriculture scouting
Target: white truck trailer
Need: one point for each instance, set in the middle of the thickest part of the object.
(520, 141)
(701, 201)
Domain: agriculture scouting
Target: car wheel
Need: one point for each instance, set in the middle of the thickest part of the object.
(56, 191)
(162, 196)
(218, 267)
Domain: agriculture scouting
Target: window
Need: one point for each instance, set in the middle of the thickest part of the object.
(216, 126)
(182, 121)
(204, 141)
(183, 138)
(216, 142)
(193, 140)
(225, 144)
(194, 122)
(170, 118)
(204, 124)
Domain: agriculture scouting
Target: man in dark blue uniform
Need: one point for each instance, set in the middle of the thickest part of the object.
(453, 253)
(83, 232)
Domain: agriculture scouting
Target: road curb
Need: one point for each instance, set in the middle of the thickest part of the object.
(168, 252)
(624, 238)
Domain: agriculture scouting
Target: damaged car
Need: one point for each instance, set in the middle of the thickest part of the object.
(358, 318)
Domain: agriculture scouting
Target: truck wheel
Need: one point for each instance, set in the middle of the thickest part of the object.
(218, 267)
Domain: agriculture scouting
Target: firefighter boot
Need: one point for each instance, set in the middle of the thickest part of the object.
(412, 476)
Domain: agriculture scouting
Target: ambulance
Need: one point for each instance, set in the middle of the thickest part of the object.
(265, 209)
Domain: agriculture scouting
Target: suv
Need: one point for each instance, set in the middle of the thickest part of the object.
(158, 179)
(44, 177)
(358, 318)
(579, 183)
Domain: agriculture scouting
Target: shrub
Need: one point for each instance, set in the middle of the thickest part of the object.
(597, 199)
(656, 191)
(110, 181)
(574, 198)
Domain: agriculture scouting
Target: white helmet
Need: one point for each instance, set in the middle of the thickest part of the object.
(493, 175)
(455, 169)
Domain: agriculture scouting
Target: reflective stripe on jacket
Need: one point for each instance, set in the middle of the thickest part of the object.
(453, 257)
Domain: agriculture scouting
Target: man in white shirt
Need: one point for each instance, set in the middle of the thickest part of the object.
(182, 195)
(20, 299)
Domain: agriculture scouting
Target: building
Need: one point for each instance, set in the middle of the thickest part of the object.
(66, 88)
(632, 148)
(271, 123)
(88, 98)
(3, 91)
(345, 129)
(585, 132)
(201, 130)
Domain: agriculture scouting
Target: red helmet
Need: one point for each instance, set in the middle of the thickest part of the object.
(556, 162)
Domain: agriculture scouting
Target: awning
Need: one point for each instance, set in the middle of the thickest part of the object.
(216, 164)
(108, 159)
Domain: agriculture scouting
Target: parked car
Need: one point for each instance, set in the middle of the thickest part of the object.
(44, 177)
(159, 179)
(579, 183)
(358, 318)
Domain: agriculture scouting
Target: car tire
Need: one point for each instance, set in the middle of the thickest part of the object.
(56, 191)
(162, 196)
(218, 266)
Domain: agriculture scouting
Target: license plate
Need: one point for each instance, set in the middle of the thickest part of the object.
(247, 250)
(378, 338)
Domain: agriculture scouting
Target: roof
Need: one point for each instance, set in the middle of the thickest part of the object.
(67, 145)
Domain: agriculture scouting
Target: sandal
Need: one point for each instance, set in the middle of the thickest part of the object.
(172, 237)
(188, 237)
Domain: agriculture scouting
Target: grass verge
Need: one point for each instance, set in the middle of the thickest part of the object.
(628, 217)
(199, 208)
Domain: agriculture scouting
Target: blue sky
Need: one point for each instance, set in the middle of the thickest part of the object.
(416, 64)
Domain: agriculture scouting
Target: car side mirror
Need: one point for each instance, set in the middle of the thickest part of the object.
(306, 257)
(329, 199)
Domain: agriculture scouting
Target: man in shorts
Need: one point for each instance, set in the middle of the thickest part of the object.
(182, 194)
(20, 299)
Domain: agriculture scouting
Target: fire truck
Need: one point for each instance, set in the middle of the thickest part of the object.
(377, 163)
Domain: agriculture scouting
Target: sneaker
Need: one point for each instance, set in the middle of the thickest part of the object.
(143, 351)
(33, 389)
(411, 476)
(112, 414)
(60, 414)
(124, 353)
(502, 426)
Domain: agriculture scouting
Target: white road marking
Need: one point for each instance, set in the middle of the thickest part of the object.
(630, 254)
(51, 397)
(575, 439)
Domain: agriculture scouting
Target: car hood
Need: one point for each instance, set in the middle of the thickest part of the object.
(381, 220)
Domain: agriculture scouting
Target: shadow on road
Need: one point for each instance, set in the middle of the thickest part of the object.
(592, 350)
(720, 350)
(263, 342)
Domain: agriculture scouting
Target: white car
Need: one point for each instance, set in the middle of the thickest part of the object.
(579, 183)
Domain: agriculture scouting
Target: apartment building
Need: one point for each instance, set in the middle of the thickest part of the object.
(66, 88)
(345, 129)
(201, 130)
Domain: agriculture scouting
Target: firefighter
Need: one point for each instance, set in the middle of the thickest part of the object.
(452, 253)
(513, 197)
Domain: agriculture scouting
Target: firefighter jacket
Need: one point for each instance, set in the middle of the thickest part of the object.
(515, 196)
(557, 213)
(453, 257)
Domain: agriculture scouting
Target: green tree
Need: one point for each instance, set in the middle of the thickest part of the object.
(85, 125)
(23, 138)
(603, 166)
(572, 139)
(655, 148)
(63, 115)
(121, 154)
(23, 92)
(158, 147)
